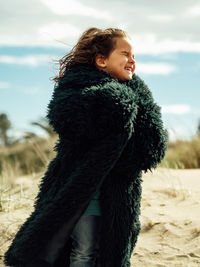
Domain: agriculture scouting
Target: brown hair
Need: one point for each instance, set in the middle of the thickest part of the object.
(92, 42)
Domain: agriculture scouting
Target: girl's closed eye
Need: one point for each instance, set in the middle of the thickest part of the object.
(125, 53)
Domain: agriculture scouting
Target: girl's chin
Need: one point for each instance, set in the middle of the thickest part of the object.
(125, 78)
(130, 75)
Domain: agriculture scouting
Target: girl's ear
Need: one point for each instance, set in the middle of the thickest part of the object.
(100, 61)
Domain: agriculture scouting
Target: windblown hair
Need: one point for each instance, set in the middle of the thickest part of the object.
(92, 42)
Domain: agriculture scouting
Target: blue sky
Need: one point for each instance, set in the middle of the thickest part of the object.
(167, 51)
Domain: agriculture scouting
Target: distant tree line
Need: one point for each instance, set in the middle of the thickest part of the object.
(198, 127)
(6, 125)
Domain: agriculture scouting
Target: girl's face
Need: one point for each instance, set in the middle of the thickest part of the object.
(120, 64)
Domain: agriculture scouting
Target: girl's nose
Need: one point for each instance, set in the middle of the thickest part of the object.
(132, 59)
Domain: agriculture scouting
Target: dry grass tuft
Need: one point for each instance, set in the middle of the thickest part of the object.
(174, 188)
(176, 192)
(183, 154)
(197, 231)
(148, 225)
(17, 161)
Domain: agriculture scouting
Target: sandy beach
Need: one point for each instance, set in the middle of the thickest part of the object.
(170, 217)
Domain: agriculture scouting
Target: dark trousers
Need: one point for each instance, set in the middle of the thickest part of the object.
(85, 241)
(85, 245)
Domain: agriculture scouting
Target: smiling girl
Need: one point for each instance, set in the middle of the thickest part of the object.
(110, 130)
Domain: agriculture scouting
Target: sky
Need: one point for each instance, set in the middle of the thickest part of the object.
(35, 34)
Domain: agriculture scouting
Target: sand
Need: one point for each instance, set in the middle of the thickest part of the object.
(170, 217)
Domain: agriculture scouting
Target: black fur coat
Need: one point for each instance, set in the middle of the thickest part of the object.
(109, 131)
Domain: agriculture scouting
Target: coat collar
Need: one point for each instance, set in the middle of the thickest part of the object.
(82, 75)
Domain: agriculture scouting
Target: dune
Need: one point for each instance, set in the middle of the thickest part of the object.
(170, 217)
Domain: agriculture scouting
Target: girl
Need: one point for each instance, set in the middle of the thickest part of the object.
(110, 129)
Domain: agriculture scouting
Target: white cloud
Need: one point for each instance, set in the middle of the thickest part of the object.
(58, 30)
(30, 60)
(194, 11)
(155, 68)
(178, 132)
(178, 109)
(157, 27)
(4, 85)
(161, 18)
(67, 7)
(149, 44)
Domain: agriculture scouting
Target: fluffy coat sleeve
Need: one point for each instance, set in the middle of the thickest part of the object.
(150, 137)
(94, 113)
